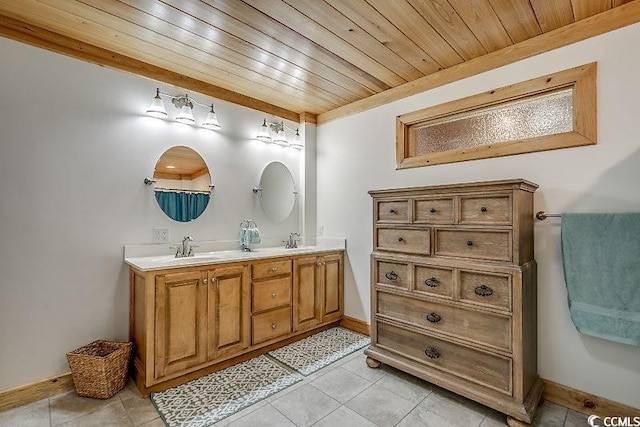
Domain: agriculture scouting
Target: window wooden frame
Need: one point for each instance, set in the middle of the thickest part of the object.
(583, 81)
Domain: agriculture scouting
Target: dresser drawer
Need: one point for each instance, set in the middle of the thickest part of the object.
(392, 211)
(270, 325)
(489, 329)
(434, 211)
(479, 244)
(492, 290)
(408, 240)
(392, 273)
(265, 270)
(485, 210)
(270, 294)
(433, 281)
(489, 370)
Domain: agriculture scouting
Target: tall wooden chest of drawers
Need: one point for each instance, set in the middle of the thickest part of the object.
(454, 292)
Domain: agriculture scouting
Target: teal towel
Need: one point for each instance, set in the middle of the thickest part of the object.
(601, 257)
(254, 235)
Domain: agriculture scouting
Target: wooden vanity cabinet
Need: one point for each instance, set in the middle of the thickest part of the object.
(186, 322)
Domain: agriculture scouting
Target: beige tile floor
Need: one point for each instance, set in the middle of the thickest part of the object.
(346, 393)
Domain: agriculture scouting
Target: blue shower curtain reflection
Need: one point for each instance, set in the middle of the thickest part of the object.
(182, 206)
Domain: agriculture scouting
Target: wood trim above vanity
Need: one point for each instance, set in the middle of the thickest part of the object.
(33, 392)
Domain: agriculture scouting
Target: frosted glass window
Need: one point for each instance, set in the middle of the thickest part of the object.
(540, 115)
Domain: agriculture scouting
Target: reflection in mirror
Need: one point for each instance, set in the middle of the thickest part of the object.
(277, 191)
(182, 184)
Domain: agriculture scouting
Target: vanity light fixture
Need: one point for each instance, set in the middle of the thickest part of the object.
(185, 104)
(274, 132)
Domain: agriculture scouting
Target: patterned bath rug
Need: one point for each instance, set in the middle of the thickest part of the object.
(208, 399)
(317, 351)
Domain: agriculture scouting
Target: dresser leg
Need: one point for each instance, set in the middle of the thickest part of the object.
(516, 423)
(373, 363)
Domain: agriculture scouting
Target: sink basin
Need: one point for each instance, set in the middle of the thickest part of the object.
(172, 260)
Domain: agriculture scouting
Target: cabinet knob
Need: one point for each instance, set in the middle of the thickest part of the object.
(392, 211)
(400, 239)
(483, 291)
(432, 210)
(204, 280)
(274, 269)
(434, 317)
(469, 243)
(391, 275)
(273, 326)
(319, 264)
(432, 282)
(274, 296)
(483, 209)
(213, 279)
(432, 353)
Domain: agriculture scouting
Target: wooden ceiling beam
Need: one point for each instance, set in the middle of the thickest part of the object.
(39, 37)
(586, 28)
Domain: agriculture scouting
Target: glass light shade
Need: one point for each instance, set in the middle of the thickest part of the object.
(185, 116)
(156, 109)
(263, 135)
(281, 138)
(297, 141)
(211, 121)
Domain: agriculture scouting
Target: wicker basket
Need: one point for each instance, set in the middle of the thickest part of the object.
(99, 369)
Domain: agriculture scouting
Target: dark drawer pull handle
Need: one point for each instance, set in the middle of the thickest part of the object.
(400, 239)
(484, 291)
(392, 211)
(432, 282)
(483, 209)
(469, 243)
(391, 275)
(432, 210)
(432, 353)
(434, 317)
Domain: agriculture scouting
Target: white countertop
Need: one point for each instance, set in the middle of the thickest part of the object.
(157, 260)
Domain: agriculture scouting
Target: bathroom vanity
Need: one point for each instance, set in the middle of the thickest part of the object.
(192, 316)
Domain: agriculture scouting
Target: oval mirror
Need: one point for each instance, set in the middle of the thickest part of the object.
(182, 184)
(277, 191)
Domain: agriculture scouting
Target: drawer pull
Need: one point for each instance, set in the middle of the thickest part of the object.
(391, 275)
(432, 210)
(400, 239)
(484, 291)
(432, 353)
(204, 281)
(274, 296)
(434, 317)
(273, 326)
(483, 209)
(432, 282)
(392, 211)
(274, 269)
(469, 243)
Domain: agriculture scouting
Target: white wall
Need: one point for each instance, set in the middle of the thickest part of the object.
(75, 147)
(357, 153)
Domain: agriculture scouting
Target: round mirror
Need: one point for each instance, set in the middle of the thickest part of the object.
(277, 191)
(182, 184)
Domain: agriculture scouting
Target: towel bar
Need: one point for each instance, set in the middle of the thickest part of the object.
(542, 215)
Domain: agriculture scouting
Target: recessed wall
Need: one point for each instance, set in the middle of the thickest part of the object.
(357, 154)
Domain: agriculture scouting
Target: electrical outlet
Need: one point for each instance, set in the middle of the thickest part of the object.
(320, 230)
(160, 235)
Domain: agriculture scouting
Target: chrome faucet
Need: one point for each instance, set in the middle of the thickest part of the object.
(185, 249)
(292, 243)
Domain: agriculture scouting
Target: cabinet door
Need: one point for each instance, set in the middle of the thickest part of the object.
(228, 311)
(331, 274)
(180, 336)
(306, 294)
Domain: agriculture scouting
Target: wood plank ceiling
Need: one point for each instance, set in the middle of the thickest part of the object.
(286, 57)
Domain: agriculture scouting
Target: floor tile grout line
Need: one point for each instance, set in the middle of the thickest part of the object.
(412, 409)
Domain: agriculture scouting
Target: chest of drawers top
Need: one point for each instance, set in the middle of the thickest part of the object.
(485, 221)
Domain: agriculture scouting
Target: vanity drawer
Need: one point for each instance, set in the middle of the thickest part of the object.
(392, 211)
(433, 281)
(408, 240)
(489, 329)
(479, 244)
(270, 325)
(490, 370)
(486, 289)
(485, 210)
(434, 211)
(392, 273)
(266, 270)
(270, 294)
